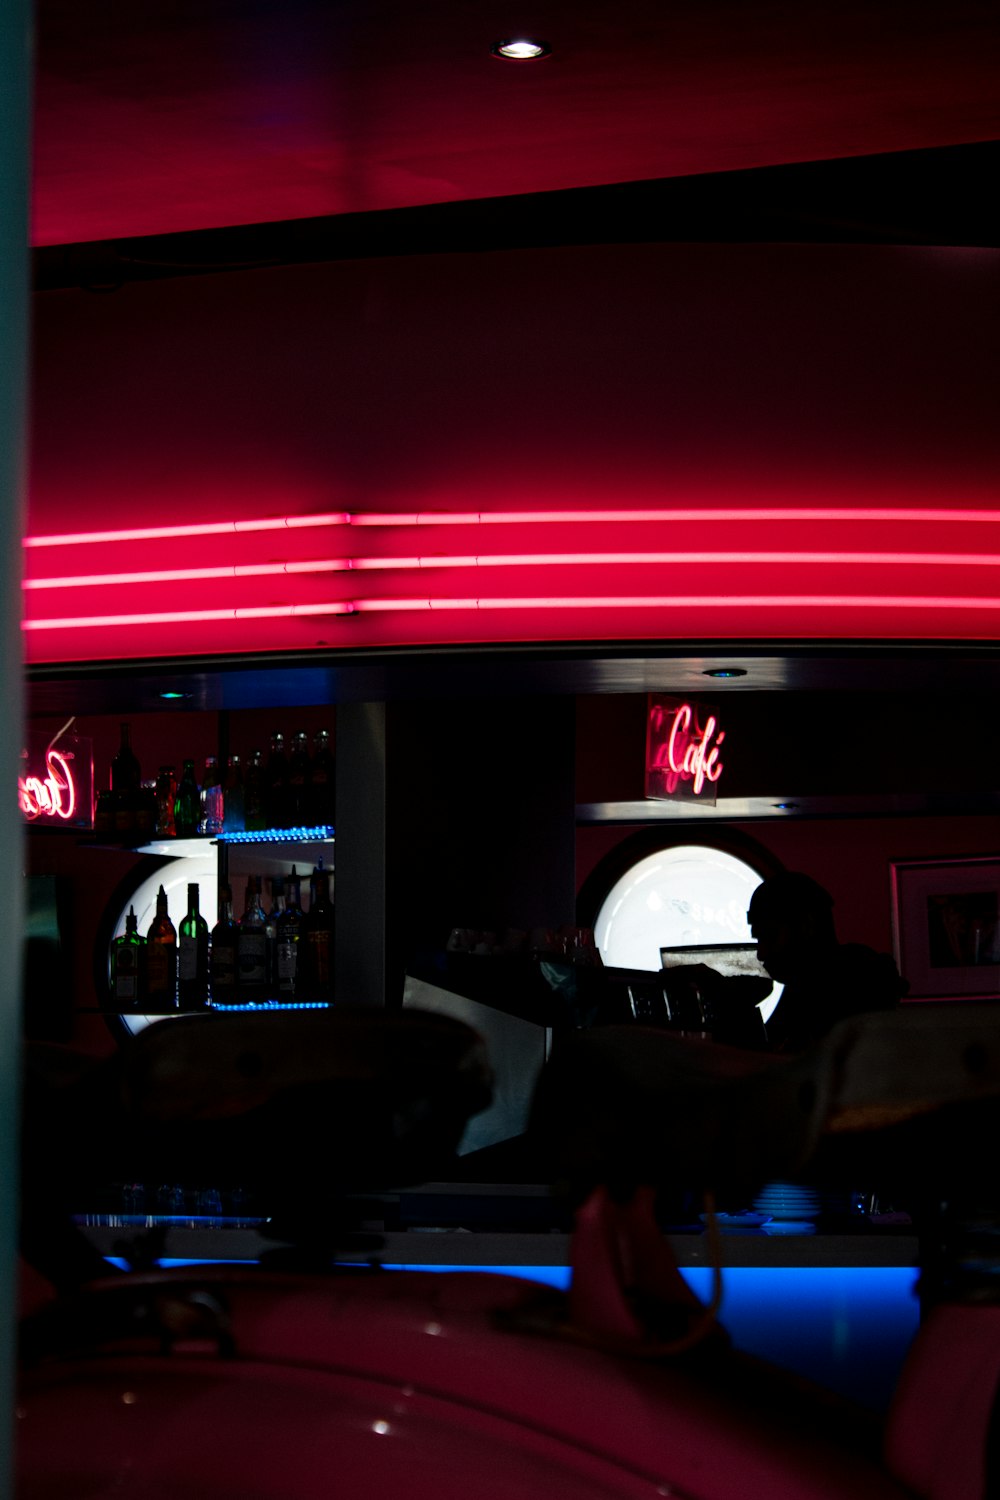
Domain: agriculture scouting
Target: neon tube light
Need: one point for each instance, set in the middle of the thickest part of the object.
(734, 514)
(694, 601)
(582, 602)
(51, 796)
(516, 560)
(190, 616)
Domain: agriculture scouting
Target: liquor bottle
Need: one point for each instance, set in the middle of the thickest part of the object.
(254, 794)
(277, 907)
(126, 966)
(298, 780)
(161, 959)
(166, 791)
(192, 965)
(233, 806)
(316, 939)
(321, 782)
(289, 928)
(187, 804)
(126, 779)
(224, 955)
(251, 948)
(211, 797)
(276, 784)
(126, 775)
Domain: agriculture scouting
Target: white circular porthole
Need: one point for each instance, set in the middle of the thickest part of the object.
(687, 896)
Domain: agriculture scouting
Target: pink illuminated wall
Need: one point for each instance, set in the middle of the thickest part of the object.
(685, 442)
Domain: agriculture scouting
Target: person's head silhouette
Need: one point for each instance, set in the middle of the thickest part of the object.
(791, 921)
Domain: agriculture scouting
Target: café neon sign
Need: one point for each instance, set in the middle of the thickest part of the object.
(55, 785)
(683, 755)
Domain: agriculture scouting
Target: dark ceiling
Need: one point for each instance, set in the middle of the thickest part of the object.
(179, 136)
(353, 126)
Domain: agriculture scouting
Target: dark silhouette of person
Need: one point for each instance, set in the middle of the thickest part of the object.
(791, 920)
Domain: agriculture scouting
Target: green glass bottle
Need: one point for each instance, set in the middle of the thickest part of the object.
(192, 963)
(187, 804)
(127, 952)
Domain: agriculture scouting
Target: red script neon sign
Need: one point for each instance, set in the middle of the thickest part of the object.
(56, 781)
(682, 750)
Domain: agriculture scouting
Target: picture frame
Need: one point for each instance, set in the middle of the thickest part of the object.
(946, 926)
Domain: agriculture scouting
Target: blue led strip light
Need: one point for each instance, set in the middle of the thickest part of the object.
(274, 1005)
(279, 835)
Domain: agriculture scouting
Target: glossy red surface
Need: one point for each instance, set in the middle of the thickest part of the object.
(404, 1382)
(161, 117)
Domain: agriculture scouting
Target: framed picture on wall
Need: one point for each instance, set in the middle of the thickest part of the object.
(946, 926)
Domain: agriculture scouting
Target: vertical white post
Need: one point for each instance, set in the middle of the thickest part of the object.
(15, 90)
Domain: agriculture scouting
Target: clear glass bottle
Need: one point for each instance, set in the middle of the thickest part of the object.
(192, 962)
(252, 948)
(187, 804)
(211, 798)
(289, 928)
(224, 952)
(277, 908)
(321, 782)
(166, 792)
(233, 805)
(127, 952)
(255, 793)
(161, 959)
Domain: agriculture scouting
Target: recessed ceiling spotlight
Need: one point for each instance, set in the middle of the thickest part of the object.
(521, 49)
(724, 672)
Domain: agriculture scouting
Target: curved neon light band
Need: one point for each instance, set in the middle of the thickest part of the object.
(905, 514)
(516, 560)
(582, 602)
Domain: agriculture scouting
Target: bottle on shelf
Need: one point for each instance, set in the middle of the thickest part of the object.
(233, 806)
(255, 793)
(166, 792)
(251, 948)
(187, 804)
(127, 952)
(192, 963)
(297, 809)
(211, 798)
(316, 940)
(289, 928)
(126, 781)
(277, 908)
(276, 787)
(161, 959)
(224, 952)
(321, 781)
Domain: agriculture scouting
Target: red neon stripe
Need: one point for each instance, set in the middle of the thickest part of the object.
(185, 575)
(200, 528)
(516, 560)
(188, 616)
(369, 606)
(689, 513)
(698, 601)
(907, 514)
